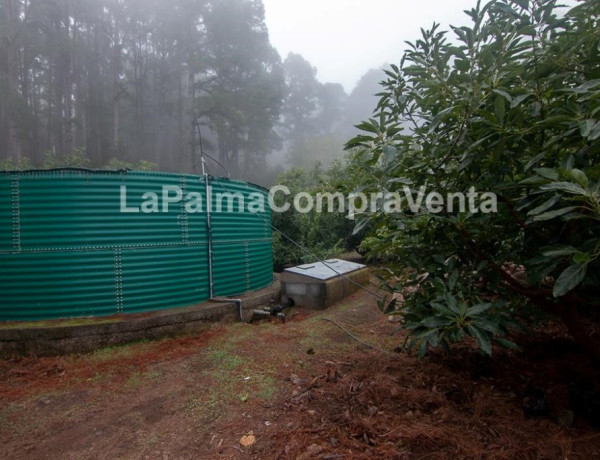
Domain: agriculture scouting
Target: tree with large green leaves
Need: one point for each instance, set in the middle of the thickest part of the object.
(510, 105)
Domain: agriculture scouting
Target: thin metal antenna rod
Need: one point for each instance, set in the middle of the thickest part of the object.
(208, 196)
(203, 154)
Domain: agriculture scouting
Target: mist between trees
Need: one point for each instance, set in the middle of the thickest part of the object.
(113, 83)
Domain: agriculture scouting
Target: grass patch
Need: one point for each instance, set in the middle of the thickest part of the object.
(266, 386)
(221, 367)
(122, 351)
(97, 378)
(137, 379)
(5, 416)
(234, 379)
(225, 360)
(211, 404)
(58, 323)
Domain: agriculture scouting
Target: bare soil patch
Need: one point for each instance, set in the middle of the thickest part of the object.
(302, 389)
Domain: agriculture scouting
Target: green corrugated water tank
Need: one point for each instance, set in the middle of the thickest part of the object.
(80, 243)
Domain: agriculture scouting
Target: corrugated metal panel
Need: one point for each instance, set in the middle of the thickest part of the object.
(67, 250)
(159, 278)
(45, 285)
(260, 258)
(228, 222)
(235, 266)
(239, 267)
(230, 269)
(196, 227)
(67, 210)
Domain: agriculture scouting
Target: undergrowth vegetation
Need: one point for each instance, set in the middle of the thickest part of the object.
(318, 234)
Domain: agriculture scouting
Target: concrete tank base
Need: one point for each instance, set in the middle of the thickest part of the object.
(320, 285)
(82, 335)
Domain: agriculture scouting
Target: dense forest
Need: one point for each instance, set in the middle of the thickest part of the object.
(114, 82)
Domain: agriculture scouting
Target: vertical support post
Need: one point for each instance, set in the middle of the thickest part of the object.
(208, 195)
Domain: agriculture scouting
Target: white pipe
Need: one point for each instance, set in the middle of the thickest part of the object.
(236, 301)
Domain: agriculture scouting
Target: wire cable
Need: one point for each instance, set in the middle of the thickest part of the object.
(304, 249)
(308, 252)
(221, 165)
(312, 255)
(202, 152)
(362, 342)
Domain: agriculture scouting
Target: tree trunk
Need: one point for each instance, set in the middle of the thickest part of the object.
(79, 121)
(67, 89)
(11, 72)
(94, 106)
(223, 149)
(234, 163)
(59, 82)
(139, 71)
(191, 147)
(159, 100)
(570, 316)
(116, 87)
(178, 148)
(28, 100)
(116, 99)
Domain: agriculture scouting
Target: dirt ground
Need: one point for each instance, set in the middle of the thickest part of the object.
(303, 389)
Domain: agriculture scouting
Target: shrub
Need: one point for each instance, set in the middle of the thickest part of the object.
(511, 106)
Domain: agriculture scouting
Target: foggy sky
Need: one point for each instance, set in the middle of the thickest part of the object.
(346, 38)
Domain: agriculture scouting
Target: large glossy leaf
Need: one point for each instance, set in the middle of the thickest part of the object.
(370, 126)
(554, 214)
(587, 126)
(500, 109)
(518, 100)
(522, 3)
(595, 133)
(580, 177)
(558, 250)
(435, 322)
(547, 173)
(478, 309)
(507, 343)
(569, 279)
(567, 187)
(482, 338)
(544, 206)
